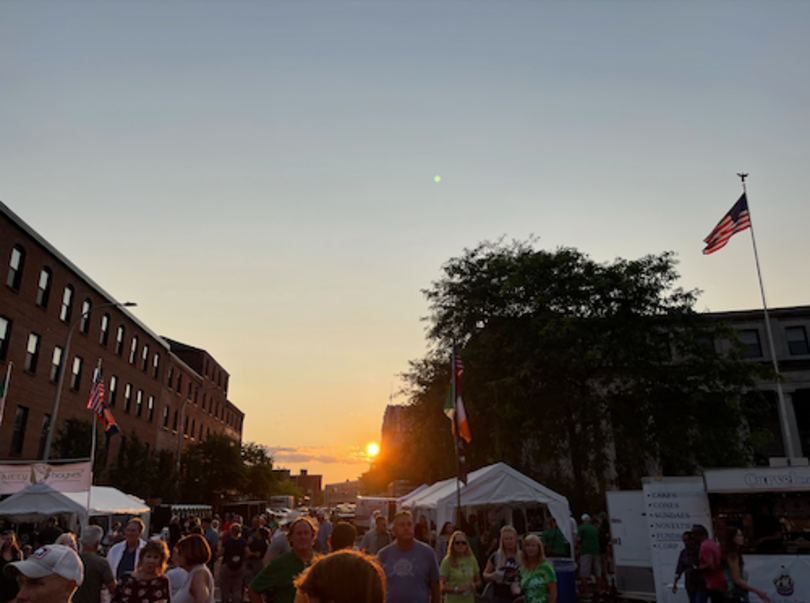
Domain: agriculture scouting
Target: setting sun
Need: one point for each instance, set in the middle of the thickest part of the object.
(372, 449)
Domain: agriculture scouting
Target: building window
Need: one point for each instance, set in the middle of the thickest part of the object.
(139, 403)
(133, 349)
(5, 335)
(171, 376)
(15, 268)
(179, 383)
(105, 330)
(113, 391)
(43, 435)
(56, 363)
(193, 427)
(166, 412)
(44, 290)
(76, 376)
(119, 339)
(84, 325)
(750, 337)
(202, 406)
(797, 341)
(32, 353)
(67, 304)
(18, 435)
(145, 358)
(127, 397)
(156, 365)
(174, 423)
(185, 427)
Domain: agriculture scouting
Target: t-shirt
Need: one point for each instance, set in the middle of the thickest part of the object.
(410, 573)
(555, 542)
(127, 563)
(212, 538)
(459, 575)
(534, 583)
(234, 552)
(590, 539)
(715, 579)
(97, 572)
(279, 545)
(373, 541)
(278, 577)
(322, 539)
(511, 573)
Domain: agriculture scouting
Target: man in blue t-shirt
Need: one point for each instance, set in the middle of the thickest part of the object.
(410, 566)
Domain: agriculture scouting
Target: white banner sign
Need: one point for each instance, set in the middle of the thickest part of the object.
(768, 479)
(786, 578)
(673, 506)
(62, 478)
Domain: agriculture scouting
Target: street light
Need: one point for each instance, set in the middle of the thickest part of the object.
(66, 357)
(181, 431)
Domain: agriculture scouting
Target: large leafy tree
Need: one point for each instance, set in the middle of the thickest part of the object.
(584, 374)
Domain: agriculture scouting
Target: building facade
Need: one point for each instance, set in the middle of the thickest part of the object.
(157, 388)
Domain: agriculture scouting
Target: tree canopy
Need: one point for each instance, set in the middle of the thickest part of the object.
(583, 374)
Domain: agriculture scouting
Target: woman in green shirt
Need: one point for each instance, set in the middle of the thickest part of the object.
(459, 571)
(538, 580)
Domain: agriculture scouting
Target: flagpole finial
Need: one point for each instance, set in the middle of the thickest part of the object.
(742, 176)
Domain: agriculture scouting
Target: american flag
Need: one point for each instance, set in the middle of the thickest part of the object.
(459, 367)
(736, 220)
(96, 401)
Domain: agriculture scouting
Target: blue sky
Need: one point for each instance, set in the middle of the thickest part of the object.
(258, 176)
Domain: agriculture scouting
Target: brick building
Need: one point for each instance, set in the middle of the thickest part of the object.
(149, 379)
(309, 484)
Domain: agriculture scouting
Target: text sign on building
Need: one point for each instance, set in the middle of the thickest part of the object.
(62, 478)
(770, 479)
(673, 506)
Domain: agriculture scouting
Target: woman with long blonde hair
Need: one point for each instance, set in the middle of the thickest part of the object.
(538, 580)
(503, 567)
(459, 570)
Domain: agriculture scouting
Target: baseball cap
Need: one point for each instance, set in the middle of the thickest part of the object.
(585, 517)
(48, 560)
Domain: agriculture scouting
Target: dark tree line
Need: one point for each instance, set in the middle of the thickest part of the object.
(584, 375)
(213, 471)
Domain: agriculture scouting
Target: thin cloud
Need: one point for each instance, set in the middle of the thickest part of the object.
(344, 455)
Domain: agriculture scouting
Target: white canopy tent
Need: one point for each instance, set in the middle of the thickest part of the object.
(110, 501)
(39, 501)
(494, 485)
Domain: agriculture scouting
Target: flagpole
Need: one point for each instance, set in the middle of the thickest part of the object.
(456, 434)
(93, 442)
(787, 437)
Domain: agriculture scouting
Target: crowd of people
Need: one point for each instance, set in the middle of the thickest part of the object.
(311, 559)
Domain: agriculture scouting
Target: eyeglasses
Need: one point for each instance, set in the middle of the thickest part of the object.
(461, 542)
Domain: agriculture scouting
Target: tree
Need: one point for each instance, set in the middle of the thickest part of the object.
(583, 374)
(73, 441)
(134, 469)
(212, 470)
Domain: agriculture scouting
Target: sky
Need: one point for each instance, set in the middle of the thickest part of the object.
(259, 176)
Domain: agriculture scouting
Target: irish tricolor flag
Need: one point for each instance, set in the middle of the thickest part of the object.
(451, 409)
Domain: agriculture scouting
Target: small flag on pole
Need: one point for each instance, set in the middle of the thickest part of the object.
(451, 409)
(110, 426)
(96, 400)
(736, 220)
(4, 391)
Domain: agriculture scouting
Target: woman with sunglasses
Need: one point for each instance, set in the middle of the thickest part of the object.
(459, 571)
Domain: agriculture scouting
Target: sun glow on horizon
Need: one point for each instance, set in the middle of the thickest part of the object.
(372, 450)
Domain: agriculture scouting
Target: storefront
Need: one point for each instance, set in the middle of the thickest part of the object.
(772, 508)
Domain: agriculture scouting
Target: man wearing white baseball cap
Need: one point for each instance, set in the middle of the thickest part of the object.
(50, 575)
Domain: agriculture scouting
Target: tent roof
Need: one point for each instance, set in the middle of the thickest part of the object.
(105, 500)
(38, 502)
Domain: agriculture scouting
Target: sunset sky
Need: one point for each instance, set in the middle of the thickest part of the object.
(259, 176)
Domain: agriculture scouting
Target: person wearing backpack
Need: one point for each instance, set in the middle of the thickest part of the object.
(232, 573)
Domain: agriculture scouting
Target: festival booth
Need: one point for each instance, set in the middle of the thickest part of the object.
(497, 485)
(38, 502)
(771, 505)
